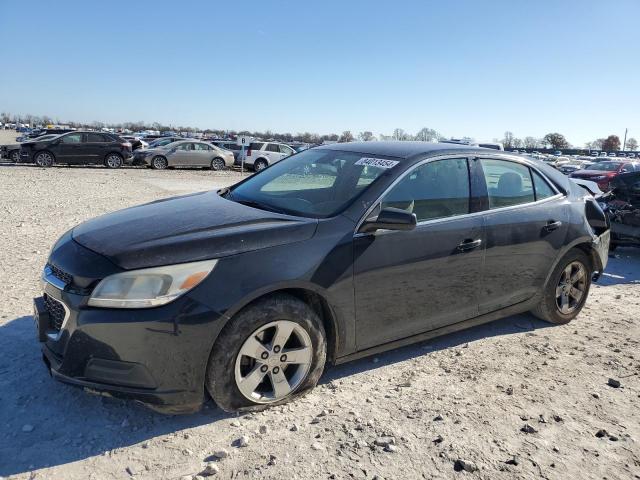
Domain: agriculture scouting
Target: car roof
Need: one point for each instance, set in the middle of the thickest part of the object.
(406, 149)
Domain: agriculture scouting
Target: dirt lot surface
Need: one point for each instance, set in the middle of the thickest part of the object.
(516, 398)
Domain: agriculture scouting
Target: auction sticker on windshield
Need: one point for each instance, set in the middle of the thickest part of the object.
(377, 162)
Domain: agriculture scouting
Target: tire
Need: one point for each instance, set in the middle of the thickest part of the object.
(15, 156)
(255, 328)
(218, 164)
(159, 162)
(260, 164)
(44, 159)
(113, 160)
(551, 305)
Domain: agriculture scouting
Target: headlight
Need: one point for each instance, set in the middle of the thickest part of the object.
(149, 287)
(600, 177)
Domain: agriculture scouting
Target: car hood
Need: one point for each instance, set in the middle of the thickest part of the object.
(188, 228)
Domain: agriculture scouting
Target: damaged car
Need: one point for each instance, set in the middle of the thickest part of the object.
(332, 254)
(622, 205)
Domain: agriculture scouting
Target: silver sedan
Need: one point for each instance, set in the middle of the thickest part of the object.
(187, 153)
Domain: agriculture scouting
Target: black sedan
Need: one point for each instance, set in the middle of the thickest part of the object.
(96, 148)
(332, 254)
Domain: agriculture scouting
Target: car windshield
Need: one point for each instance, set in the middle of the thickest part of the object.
(606, 166)
(313, 183)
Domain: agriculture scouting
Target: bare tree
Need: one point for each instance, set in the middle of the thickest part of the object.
(531, 142)
(632, 144)
(428, 135)
(507, 141)
(346, 136)
(366, 136)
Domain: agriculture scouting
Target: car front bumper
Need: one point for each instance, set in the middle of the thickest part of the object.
(157, 356)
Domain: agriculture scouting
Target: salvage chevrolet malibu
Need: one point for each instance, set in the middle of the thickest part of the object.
(332, 254)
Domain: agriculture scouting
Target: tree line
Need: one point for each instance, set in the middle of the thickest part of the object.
(554, 140)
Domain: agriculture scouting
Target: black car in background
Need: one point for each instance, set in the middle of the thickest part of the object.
(622, 204)
(332, 254)
(77, 148)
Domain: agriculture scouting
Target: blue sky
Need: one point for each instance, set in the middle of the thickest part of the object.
(462, 67)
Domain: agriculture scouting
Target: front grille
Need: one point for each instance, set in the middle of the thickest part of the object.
(60, 274)
(57, 312)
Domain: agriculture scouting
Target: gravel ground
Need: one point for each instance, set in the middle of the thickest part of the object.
(516, 398)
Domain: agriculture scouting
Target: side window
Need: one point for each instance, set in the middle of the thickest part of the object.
(434, 190)
(95, 137)
(286, 150)
(541, 187)
(184, 146)
(272, 147)
(72, 138)
(508, 183)
(200, 146)
(256, 146)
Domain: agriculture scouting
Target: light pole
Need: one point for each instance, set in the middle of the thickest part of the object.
(624, 144)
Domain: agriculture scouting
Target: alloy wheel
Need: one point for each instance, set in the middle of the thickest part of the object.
(159, 163)
(44, 159)
(273, 361)
(260, 165)
(571, 287)
(114, 161)
(15, 156)
(217, 164)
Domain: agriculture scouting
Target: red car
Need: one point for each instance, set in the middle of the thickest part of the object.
(603, 172)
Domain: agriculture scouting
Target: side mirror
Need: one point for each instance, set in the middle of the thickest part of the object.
(390, 219)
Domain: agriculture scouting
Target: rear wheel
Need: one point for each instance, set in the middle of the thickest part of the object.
(567, 289)
(15, 156)
(159, 162)
(44, 159)
(260, 164)
(270, 353)
(217, 164)
(113, 160)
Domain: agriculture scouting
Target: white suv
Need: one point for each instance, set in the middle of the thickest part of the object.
(262, 154)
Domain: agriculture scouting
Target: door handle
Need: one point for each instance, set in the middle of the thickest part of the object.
(469, 244)
(552, 225)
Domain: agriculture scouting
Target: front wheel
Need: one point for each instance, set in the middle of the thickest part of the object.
(270, 353)
(159, 163)
(217, 164)
(566, 292)
(44, 159)
(113, 160)
(15, 156)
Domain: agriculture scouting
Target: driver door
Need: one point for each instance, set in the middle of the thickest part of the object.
(409, 282)
(71, 148)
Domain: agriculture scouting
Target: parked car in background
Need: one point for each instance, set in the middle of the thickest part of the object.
(230, 145)
(12, 151)
(162, 141)
(262, 154)
(622, 204)
(78, 148)
(604, 172)
(574, 166)
(136, 142)
(185, 153)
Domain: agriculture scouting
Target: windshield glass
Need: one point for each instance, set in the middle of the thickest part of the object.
(313, 183)
(605, 166)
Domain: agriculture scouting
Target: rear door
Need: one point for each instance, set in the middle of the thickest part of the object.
(409, 282)
(525, 227)
(96, 147)
(182, 156)
(202, 155)
(70, 149)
